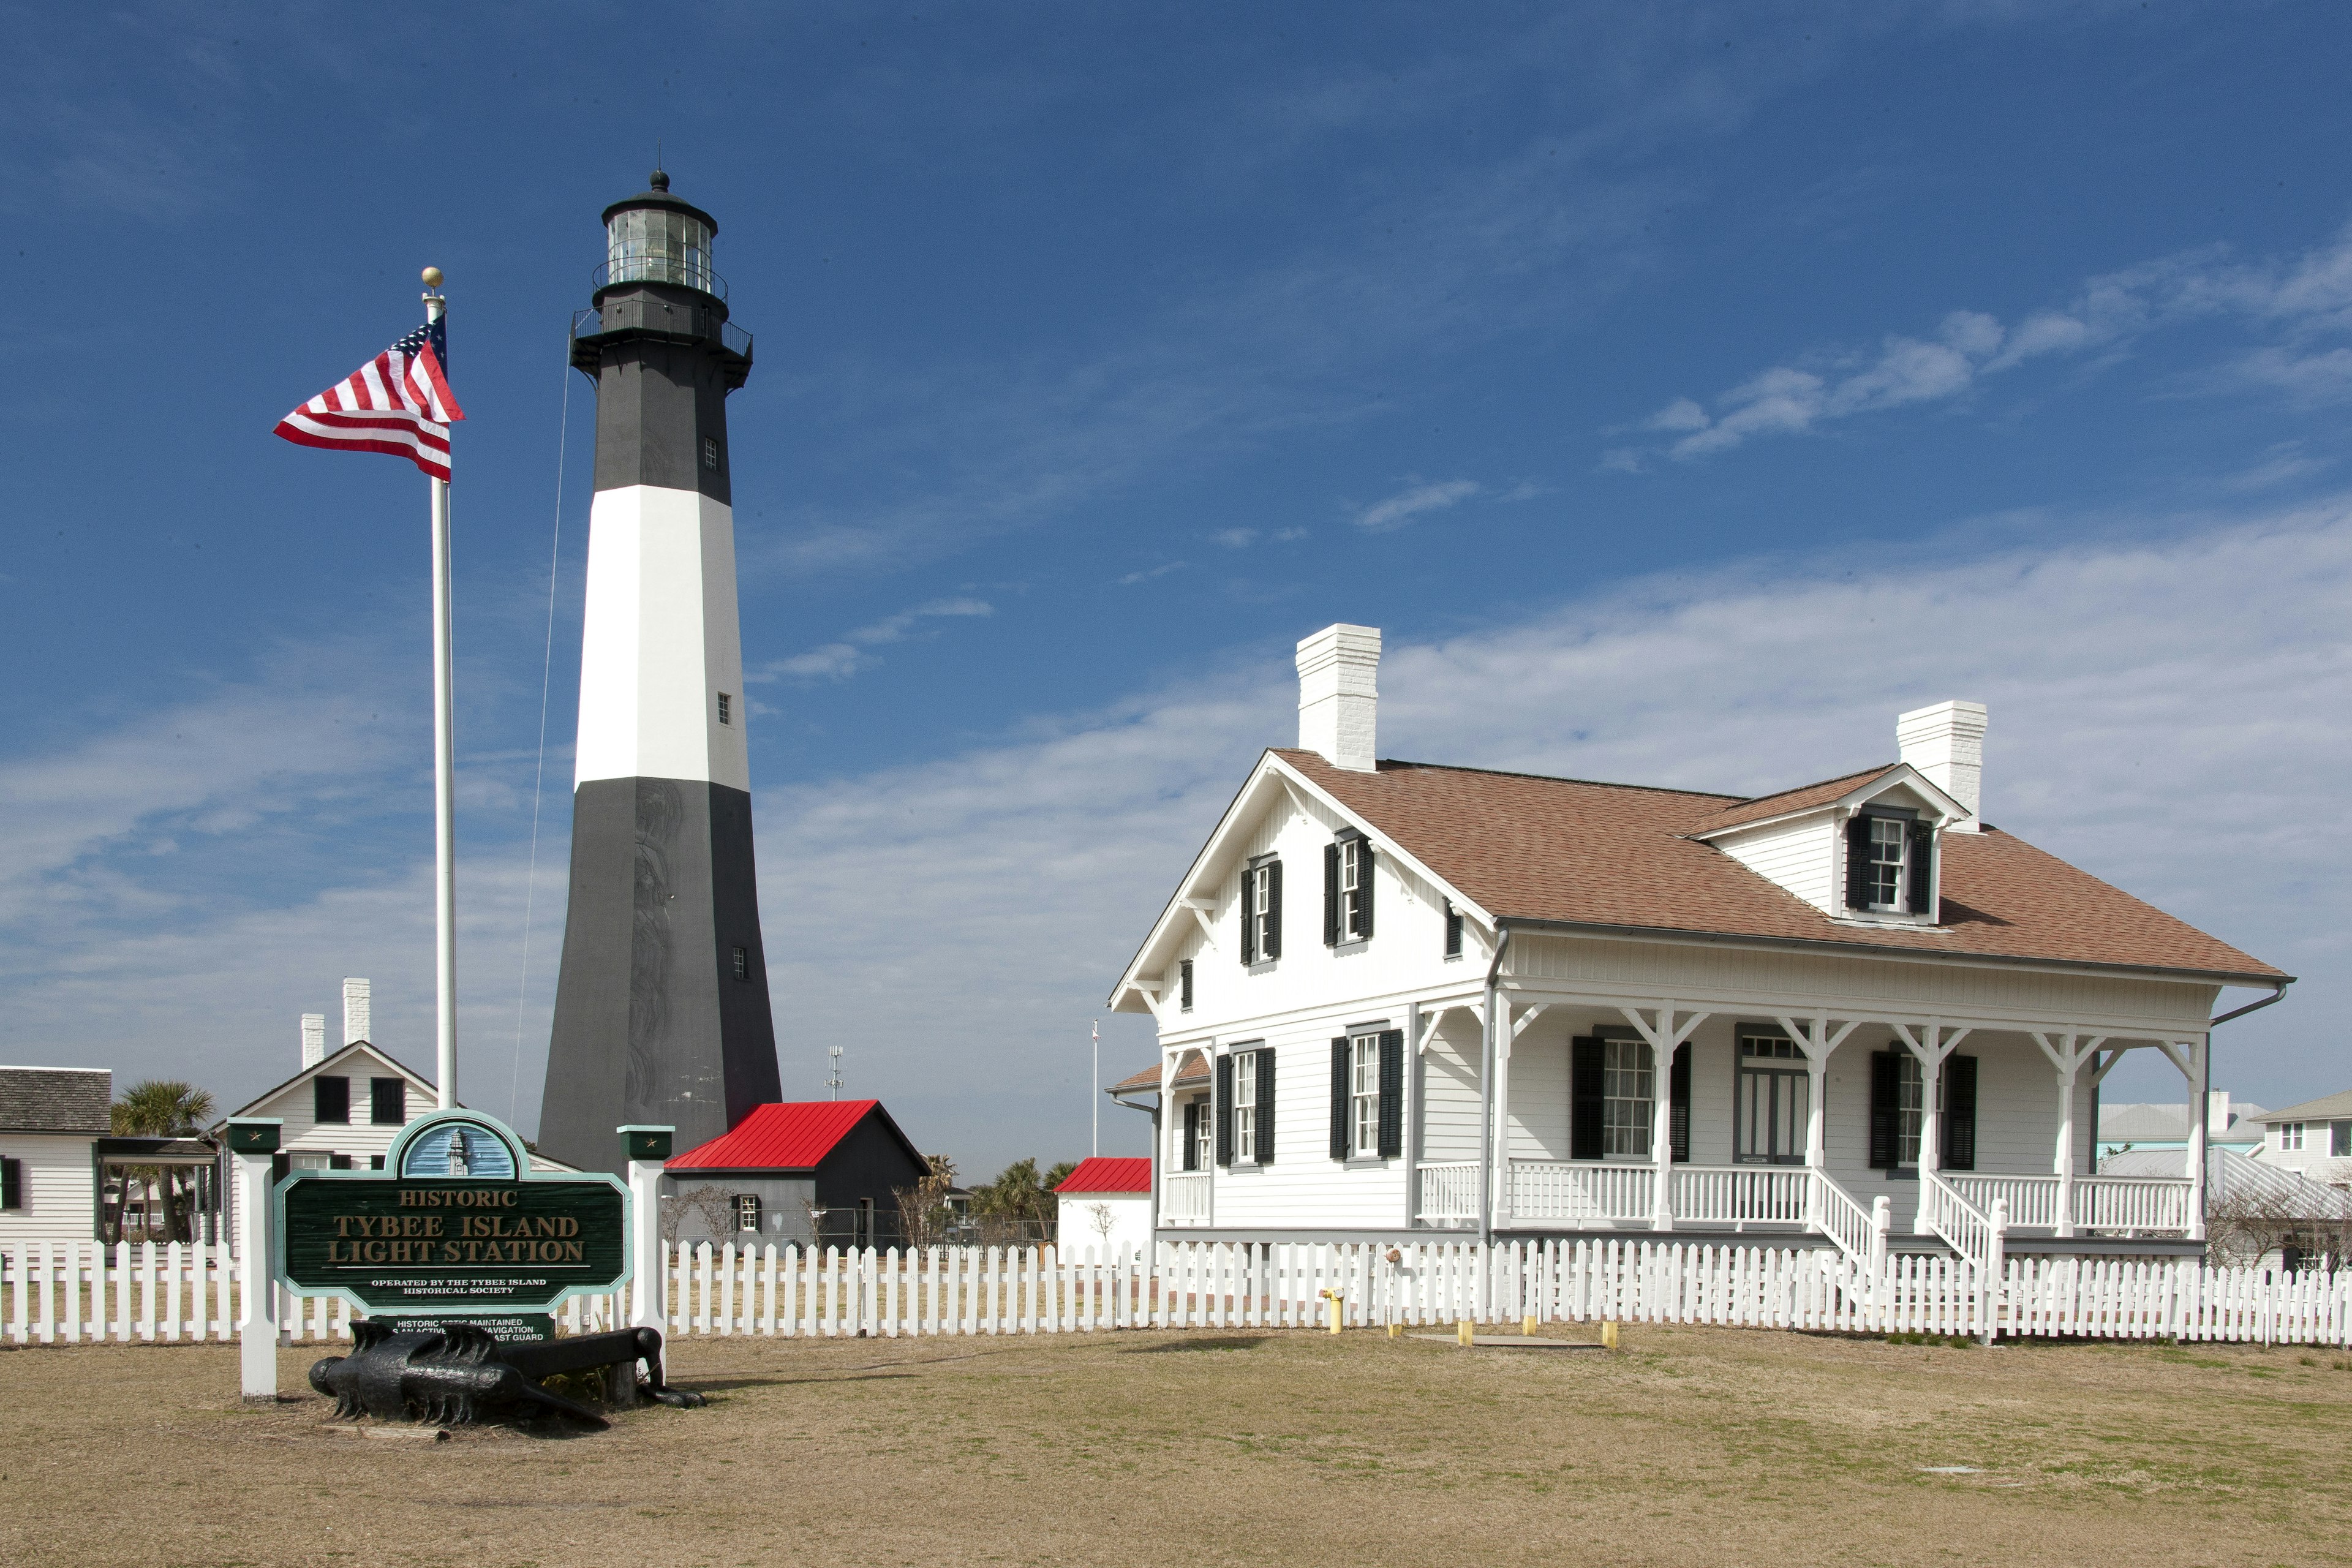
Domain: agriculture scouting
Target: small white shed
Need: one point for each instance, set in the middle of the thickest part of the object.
(1106, 1207)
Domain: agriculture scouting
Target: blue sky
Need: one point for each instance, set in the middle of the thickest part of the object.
(1682, 390)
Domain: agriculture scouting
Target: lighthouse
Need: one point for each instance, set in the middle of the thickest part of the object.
(661, 1009)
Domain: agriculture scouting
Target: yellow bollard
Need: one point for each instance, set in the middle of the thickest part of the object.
(1332, 1300)
(1396, 1331)
(1466, 1332)
(1528, 1325)
(1609, 1334)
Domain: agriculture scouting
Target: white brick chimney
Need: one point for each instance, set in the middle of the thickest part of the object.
(314, 1038)
(1338, 695)
(1945, 742)
(355, 1011)
(2217, 1112)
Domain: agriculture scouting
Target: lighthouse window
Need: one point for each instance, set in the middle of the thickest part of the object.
(742, 964)
(711, 453)
(726, 708)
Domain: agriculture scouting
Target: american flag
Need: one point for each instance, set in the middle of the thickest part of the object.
(398, 403)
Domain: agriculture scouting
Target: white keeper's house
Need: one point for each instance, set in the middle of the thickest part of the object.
(1404, 999)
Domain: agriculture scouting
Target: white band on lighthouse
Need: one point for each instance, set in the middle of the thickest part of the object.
(661, 643)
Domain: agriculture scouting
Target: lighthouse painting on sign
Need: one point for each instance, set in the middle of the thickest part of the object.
(661, 1009)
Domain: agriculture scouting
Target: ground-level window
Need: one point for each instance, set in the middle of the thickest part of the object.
(1910, 1109)
(1245, 1108)
(747, 1211)
(2339, 1138)
(1364, 1095)
(2291, 1137)
(1772, 1103)
(1627, 1093)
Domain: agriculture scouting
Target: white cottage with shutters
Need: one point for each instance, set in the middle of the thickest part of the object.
(1402, 999)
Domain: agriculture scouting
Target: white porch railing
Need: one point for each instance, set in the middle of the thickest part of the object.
(1184, 1197)
(1741, 1195)
(1844, 1221)
(1589, 1194)
(2140, 1203)
(1447, 1193)
(2131, 1203)
(1973, 1233)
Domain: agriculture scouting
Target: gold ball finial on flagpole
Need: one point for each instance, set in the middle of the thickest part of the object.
(432, 277)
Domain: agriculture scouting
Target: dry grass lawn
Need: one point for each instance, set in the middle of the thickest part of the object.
(1690, 1447)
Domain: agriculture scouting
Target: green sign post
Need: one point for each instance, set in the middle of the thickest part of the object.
(457, 1227)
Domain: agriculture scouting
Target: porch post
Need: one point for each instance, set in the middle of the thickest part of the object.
(2067, 1072)
(1661, 1127)
(1501, 1174)
(2198, 1076)
(1931, 1125)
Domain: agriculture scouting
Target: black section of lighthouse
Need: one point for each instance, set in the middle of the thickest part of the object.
(661, 1011)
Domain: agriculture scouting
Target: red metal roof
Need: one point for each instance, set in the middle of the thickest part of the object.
(1102, 1173)
(791, 1135)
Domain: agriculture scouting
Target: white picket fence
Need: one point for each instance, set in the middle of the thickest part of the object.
(54, 1293)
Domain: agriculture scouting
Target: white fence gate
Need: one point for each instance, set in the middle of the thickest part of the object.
(86, 1291)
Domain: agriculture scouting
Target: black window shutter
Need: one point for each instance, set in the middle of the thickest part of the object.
(1273, 910)
(1331, 895)
(1922, 862)
(1224, 1111)
(1585, 1135)
(1339, 1097)
(279, 1163)
(330, 1099)
(1886, 1113)
(1392, 1093)
(1191, 1135)
(1960, 1151)
(1857, 863)
(387, 1101)
(1364, 888)
(12, 1184)
(338, 1161)
(1453, 931)
(1184, 984)
(1249, 914)
(1678, 1102)
(1264, 1106)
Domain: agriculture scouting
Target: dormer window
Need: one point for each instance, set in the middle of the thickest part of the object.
(1889, 863)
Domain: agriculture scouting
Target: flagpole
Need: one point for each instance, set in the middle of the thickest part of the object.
(444, 778)
(1095, 1097)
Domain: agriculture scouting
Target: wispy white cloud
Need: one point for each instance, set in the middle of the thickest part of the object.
(1146, 574)
(1235, 538)
(1415, 501)
(853, 651)
(2306, 299)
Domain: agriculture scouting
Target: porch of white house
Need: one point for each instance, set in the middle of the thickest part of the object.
(1779, 1132)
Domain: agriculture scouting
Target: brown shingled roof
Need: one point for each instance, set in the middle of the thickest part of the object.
(1764, 807)
(56, 1099)
(1190, 1067)
(1527, 847)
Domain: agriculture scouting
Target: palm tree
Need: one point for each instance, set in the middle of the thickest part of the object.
(160, 1108)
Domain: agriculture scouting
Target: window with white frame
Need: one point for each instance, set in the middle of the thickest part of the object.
(1245, 1108)
(1205, 1136)
(1364, 1095)
(1890, 841)
(2291, 1137)
(1910, 1109)
(1351, 890)
(1263, 940)
(747, 1211)
(1627, 1094)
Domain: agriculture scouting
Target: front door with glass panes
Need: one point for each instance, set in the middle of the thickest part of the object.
(1773, 1102)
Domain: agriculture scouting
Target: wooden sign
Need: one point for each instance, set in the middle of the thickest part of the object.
(456, 1228)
